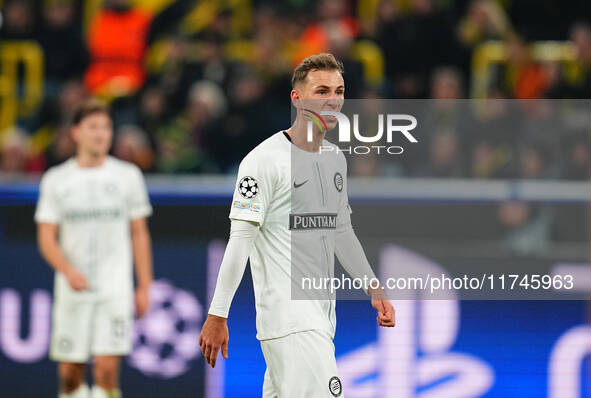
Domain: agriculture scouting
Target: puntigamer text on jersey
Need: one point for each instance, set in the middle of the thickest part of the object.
(313, 221)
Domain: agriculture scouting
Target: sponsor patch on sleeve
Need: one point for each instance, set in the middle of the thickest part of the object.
(253, 207)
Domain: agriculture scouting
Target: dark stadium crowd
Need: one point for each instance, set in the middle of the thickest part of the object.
(194, 85)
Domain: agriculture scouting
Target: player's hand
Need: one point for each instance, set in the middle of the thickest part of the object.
(142, 301)
(214, 335)
(386, 314)
(76, 280)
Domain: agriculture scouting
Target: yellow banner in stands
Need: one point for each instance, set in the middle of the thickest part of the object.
(30, 56)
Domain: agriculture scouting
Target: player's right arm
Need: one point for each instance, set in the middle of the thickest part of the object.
(252, 195)
(214, 333)
(47, 216)
(51, 252)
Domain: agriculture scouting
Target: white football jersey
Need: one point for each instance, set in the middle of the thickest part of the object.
(93, 207)
(299, 199)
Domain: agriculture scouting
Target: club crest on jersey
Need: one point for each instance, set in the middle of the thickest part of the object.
(110, 188)
(248, 187)
(338, 181)
(65, 344)
(335, 386)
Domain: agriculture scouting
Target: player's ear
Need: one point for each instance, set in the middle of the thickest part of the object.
(296, 98)
(75, 132)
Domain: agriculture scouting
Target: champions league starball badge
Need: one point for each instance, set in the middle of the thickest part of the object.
(248, 187)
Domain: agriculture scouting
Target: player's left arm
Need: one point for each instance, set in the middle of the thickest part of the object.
(139, 210)
(352, 257)
(142, 255)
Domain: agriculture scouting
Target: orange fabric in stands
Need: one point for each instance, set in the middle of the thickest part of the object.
(117, 44)
(315, 37)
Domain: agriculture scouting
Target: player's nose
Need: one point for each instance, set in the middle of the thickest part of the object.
(333, 102)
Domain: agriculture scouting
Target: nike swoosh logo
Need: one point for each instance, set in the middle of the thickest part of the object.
(299, 185)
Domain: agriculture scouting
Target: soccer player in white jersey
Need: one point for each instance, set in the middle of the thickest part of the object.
(288, 193)
(91, 223)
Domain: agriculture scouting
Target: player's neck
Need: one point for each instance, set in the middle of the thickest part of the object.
(86, 160)
(299, 137)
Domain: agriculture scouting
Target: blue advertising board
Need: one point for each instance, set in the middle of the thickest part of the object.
(439, 348)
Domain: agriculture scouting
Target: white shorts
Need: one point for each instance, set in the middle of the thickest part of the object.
(82, 330)
(301, 365)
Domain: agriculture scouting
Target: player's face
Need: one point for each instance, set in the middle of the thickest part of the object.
(323, 90)
(93, 134)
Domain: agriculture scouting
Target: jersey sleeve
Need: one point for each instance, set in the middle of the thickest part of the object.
(254, 189)
(138, 201)
(48, 209)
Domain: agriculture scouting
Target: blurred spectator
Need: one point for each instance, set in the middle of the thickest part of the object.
(581, 37)
(274, 41)
(182, 144)
(543, 126)
(182, 68)
(364, 166)
(62, 148)
(250, 119)
(214, 65)
(72, 94)
(177, 72)
(63, 48)
(220, 26)
(14, 155)
(445, 111)
(153, 110)
(534, 163)
(444, 157)
(117, 41)
(413, 44)
(207, 104)
(488, 161)
(525, 78)
(132, 145)
(52, 124)
(426, 44)
(446, 83)
(340, 47)
(527, 228)
(578, 159)
(333, 19)
(575, 82)
(56, 112)
(492, 136)
(18, 20)
(484, 20)
(445, 114)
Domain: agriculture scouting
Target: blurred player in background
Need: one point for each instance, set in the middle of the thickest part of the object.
(286, 186)
(91, 218)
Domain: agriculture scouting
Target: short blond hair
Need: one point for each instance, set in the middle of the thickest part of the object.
(322, 61)
(89, 107)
